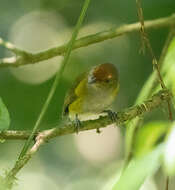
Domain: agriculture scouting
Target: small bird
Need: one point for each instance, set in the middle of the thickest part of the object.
(92, 93)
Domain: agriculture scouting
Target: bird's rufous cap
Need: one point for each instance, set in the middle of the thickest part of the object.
(105, 72)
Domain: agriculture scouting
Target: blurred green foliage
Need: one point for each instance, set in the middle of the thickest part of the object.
(148, 136)
(138, 170)
(60, 161)
(169, 153)
(4, 117)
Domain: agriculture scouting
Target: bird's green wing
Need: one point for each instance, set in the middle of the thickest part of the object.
(71, 95)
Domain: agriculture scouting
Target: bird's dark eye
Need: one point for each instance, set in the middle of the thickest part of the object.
(107, 80)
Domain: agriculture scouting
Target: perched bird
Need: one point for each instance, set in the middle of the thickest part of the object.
(92, 93)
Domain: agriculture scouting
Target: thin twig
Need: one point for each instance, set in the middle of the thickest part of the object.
(146, 41)
(167, 183)
(88, 40)
(154, 62)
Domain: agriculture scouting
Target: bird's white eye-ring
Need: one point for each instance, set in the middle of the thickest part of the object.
(91, 79)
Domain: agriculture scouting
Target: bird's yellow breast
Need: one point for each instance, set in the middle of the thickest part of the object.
(81, 89)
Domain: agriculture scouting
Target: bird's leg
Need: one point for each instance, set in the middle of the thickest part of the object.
(112, 115)
(77, 123)
(98, 130)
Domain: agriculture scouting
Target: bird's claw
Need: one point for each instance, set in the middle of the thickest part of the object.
(98, 131)
(112, 115)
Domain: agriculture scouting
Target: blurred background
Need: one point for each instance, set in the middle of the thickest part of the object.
(87, 160)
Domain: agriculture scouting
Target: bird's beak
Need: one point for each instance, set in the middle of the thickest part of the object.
(91, 79)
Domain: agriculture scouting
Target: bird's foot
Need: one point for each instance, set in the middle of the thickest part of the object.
(77, 124)
(98, 131)
(112, 115)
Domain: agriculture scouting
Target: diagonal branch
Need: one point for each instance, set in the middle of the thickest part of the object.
(29, 58)
(103, 121)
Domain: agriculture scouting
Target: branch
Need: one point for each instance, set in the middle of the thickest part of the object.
(101, 122)
(156, 66)
(12, 48)
(29, 58)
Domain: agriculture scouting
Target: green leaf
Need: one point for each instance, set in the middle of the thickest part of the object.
(138, 170)
(170, 57)
(3, 184)
(148, 136)
(4, 117)
(169, 153)
(168, 67)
